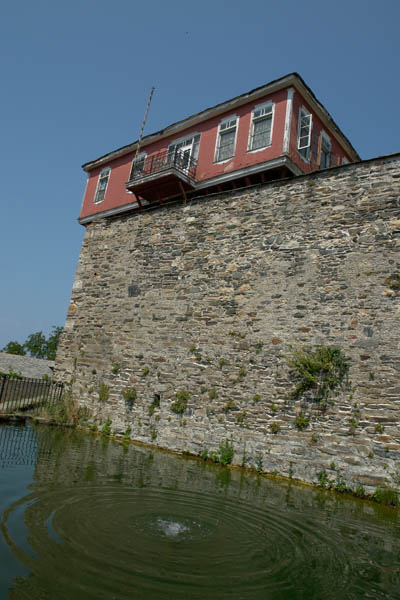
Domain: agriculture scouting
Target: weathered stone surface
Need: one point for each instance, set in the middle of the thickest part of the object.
(224, 287)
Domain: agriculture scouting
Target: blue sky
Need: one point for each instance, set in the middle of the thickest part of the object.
(75, 82)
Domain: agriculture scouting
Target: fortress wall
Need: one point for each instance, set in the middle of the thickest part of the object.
(211, 297)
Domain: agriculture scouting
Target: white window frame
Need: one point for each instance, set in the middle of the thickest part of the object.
(270, 106)
(224, 127)
(103, 173)
(326, 146)
(306, 144)
(140, 157)
(186, 141)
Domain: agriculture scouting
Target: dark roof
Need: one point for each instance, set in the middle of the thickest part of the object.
(27, 366)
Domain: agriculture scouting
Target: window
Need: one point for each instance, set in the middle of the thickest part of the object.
(261, 127)
(137, 169)
(324, 162)
(102, 185)
(345, 161)
(182, 151)
(304, 133)
(226, 139)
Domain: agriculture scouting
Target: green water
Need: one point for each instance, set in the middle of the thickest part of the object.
(85, 517)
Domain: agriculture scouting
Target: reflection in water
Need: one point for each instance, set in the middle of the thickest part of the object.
(112, 521)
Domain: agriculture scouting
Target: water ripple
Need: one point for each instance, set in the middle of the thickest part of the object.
(190, 545)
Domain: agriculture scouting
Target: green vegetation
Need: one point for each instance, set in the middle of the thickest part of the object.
(259, 464)
(393, 281)
(226, 452)
(116, 368)
(386, 495)
(212, 394)
(322, 478)
(242, 372)
(340, 485)
(106, 429)
(180, 404)
(127, 434)
(222, 362)
(204, 454)
(379, 428)
(301, 421)
(230, 405)
(240, 418)
(275, 427)
(360, 492)
(129, 395)
(145, 371)
(318, 371)
(37, 344)
(256, 398)
(103, 391)
(11, 374)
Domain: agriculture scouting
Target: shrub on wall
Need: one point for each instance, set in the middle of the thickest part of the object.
(318, 371)
(180, 404)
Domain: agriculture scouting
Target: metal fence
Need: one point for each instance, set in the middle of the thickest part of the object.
(162, 161)
(22, 393)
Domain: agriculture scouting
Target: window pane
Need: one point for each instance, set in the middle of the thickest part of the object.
(261, 133)
(226, 145)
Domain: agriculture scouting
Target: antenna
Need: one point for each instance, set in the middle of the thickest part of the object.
(144, 122)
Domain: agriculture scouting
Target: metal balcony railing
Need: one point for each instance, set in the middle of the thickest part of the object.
(163, 161)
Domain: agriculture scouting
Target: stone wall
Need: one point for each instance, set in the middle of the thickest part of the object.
(212, 297)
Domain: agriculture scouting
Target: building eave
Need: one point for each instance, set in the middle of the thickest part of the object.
(293, 79)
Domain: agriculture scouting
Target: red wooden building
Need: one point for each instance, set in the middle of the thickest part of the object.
(275, 131)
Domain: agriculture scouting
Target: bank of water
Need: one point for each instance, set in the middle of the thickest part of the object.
(88, 517)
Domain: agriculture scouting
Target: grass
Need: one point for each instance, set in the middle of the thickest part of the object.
(386, 495)
(103, 391)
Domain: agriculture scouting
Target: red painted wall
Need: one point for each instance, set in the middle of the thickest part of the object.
(116, 194)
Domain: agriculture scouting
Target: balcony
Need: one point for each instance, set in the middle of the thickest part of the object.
(163, 175)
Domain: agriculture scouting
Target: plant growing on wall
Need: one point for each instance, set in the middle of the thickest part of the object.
(301, 421)
(393, 281)
(106, 429)
(129, 395)
(180, 404)
(225, 452)
(104, 392)
(318, 371)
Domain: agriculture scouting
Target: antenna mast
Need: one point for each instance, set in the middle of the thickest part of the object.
(144, 122)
